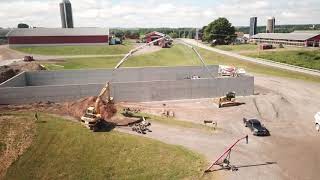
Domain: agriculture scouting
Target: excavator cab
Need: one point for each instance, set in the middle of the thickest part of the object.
(92, 115)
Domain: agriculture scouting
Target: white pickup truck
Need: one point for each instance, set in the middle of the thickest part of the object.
(317, 121)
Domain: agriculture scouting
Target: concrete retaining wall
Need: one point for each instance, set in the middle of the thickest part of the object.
(128, 84)
(98, 76)
(131, 91)
(17, 81)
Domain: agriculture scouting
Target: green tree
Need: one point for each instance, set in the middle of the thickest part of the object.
(220, 30)
(23, 25)
(173, 35)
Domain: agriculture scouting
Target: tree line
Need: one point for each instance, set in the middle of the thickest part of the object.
(140, 32)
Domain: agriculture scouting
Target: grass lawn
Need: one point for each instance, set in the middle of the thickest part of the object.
(78, 50)
(177, 56)
(308, 59)
(238, 47)
(66, 150)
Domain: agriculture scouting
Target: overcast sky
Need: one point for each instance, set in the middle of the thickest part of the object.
(158, 13)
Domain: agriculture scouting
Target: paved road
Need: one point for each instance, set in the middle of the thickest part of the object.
(255, 60)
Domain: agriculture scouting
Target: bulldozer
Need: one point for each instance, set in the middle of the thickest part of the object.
(228, 100)
(92, 116)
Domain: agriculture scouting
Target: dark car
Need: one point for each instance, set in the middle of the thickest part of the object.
(256, 128)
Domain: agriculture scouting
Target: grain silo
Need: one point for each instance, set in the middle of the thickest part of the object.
(271, 25)
(66, 14)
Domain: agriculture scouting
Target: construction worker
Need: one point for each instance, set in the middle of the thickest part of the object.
(36, 116)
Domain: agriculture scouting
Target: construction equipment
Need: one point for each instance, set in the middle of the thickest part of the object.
(28, 58)
(230, 71)
(224, 160)
(92, 116)
(228, 100)
(142, 127)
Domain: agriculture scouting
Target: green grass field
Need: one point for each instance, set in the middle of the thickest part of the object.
(78, 50)
(179, 55)
(303, 58)
(176, 56)
(66, 150)
(238, 47)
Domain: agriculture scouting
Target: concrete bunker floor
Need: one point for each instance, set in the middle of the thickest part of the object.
(286, 107)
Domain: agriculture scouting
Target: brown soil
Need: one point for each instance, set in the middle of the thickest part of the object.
(74, 110)
(7, 72)
(78, 108)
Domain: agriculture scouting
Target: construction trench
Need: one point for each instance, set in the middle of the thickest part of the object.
(127, 84)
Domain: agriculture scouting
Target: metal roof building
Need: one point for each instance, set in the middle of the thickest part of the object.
(153, 36)
(58, 36)
(294, 39)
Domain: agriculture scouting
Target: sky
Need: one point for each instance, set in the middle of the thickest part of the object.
(158, 13)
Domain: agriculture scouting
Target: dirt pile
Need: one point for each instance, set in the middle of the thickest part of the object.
(78, 108)
(7, 72)
(29, 66)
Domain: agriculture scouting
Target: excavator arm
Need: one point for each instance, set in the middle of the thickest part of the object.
(104, 94)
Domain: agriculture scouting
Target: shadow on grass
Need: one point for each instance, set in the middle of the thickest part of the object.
(237, 167)
(105, 126)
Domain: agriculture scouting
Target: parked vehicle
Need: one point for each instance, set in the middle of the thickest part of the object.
(317, 121)
(256, 127)
(28, 58)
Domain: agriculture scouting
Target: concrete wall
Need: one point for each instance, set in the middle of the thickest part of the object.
(131, 91)
(17, 81)
(99, 76)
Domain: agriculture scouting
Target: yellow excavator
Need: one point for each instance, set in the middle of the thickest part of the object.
(92, 116)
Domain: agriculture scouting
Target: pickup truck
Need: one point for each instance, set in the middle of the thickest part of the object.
(317, 121)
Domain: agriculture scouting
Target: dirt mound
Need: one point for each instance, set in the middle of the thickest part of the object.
(7, 72)
(78, 108)
(30, 66)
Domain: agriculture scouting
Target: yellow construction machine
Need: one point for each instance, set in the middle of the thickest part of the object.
(228, 100)
(92, 116)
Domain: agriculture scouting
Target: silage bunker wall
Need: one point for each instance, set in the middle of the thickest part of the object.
(99, 76)
(57, 89)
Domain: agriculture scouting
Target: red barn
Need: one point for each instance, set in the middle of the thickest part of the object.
(58, 36)
(153, 36)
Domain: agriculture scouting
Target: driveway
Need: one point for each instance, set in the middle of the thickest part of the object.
(9, 56)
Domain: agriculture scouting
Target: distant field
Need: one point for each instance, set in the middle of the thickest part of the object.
(63, 149)
(177, 56)
(238, 47)
(77, 50)
(303, 58)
